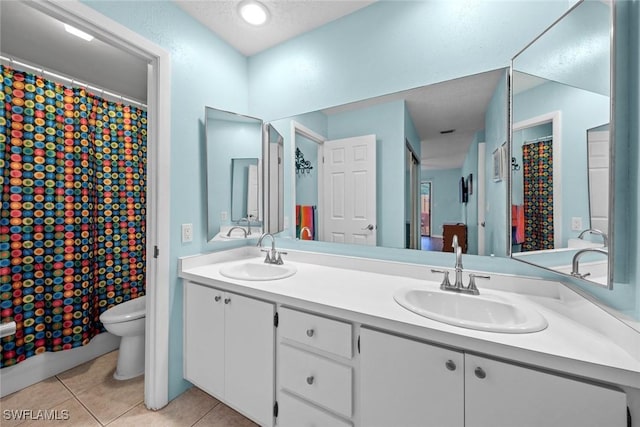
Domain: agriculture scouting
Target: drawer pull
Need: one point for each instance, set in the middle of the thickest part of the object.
(227, 300)
(310, 380)
(217, 298)
(310, 332)
(480, 373)
(451, 365)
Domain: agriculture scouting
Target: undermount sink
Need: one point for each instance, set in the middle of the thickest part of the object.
(485, 313)
(255, 270)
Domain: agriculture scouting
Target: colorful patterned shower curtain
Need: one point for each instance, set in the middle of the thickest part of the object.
(72, 228)
(537, 161)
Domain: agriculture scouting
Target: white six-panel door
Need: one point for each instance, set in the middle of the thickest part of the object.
(349, 191)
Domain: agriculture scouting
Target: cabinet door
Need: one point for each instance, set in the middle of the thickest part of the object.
(506, 395)
(203, 338)
(249, 355)
(408, 383)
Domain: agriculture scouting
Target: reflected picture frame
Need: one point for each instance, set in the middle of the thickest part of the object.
(497, 164)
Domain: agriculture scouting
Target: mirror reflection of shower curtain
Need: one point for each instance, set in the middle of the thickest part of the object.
(537, 161)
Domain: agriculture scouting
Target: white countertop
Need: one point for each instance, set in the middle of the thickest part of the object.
(581, 338)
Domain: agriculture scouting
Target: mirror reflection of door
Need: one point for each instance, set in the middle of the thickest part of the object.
(349, 191)
(598, 166)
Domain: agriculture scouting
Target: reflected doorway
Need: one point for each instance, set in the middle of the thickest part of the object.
(428, 242)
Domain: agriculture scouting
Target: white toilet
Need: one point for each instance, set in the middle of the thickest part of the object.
(127, 321)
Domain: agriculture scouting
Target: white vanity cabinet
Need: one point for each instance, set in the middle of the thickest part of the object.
(314, 370)
(229, 349)
(502, 394)
(411, 383)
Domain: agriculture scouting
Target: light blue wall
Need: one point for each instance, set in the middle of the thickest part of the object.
(580, 110)
(445, 197)
(204, 71)
(392, 46)
(495, 192)
(386, 121)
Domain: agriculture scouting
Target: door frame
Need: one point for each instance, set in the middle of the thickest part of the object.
(298, 128)
(87, 19)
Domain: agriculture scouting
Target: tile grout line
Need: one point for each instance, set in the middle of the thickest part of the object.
(79, 401)
(123, 414)
(207, 413)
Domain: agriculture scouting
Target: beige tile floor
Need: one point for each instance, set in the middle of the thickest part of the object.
(87, 396)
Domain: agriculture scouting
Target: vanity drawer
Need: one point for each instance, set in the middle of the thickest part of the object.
(319, 332)
(320, 380)
(293, 412)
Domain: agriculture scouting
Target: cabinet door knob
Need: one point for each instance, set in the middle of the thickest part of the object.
(451, 365)
(227, 300)
(217, 298)
(480, 373)
(310, 380)
(310, 332)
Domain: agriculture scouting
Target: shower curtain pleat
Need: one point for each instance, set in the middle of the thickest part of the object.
(537, 161)
(72, 228)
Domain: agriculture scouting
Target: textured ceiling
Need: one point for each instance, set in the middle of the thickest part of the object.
(288, 19)
(459, 104)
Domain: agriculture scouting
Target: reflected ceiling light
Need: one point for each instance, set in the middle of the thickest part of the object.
(76, 32)
(253, 12)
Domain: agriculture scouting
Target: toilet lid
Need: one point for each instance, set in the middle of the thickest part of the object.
(123, 312)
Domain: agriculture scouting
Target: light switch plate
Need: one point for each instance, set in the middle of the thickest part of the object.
(187, 233)
(576, 223)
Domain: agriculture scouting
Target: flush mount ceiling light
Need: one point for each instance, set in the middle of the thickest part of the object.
(253, 12)
(76, 32)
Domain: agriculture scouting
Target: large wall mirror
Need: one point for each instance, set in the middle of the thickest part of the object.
(404, 170)
(561, 124)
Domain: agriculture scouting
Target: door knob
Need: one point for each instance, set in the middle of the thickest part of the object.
(227, 300)
(451, 365)
(480, 373)
(369, 227)
(310, 380)
(217, 298)
(310, 332)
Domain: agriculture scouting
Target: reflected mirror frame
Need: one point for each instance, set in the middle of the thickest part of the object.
(207, 150)
(612, 61)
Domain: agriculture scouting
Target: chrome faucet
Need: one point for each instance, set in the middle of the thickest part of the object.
(458, 251)
(273, 256)
(248, 224)
(308, 230)
(574, 263)
(458, 285)
(237, 228)
(595, 231)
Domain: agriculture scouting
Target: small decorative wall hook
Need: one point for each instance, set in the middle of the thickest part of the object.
(302, 165)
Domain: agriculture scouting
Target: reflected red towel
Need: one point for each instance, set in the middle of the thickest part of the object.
(517, 222)
(305, 218)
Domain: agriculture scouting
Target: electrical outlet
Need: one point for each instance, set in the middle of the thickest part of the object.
(224, 215)
(187, 233)
(576, 223)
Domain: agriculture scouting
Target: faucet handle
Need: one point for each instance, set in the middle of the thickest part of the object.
(472, 288)
(267, 258)
(445, 280)
(279, 260)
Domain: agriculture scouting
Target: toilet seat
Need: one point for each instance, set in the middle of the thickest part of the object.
(124, 312)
